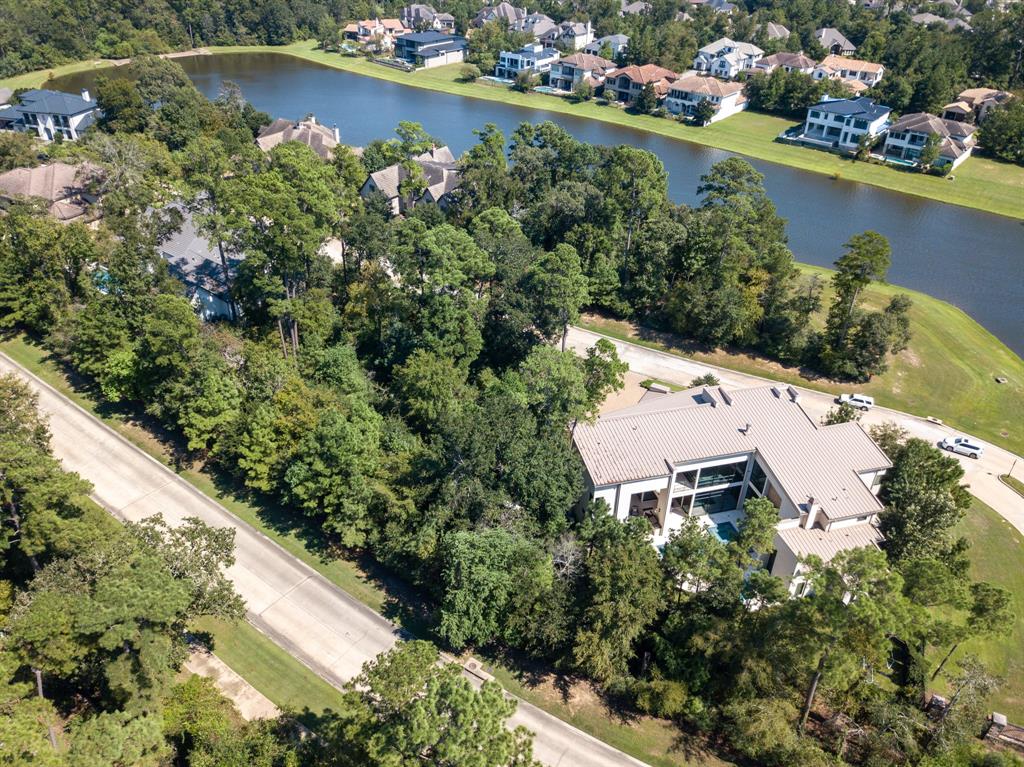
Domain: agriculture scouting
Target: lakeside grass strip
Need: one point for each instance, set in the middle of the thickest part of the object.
(980, 183)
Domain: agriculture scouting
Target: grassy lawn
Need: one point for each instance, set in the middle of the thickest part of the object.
(997, 556)
(284, 680)
(1013, 482)
(948, 371)
(287, 683)
(979, 183)
(40, 76)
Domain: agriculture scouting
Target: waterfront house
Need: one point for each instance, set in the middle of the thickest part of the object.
(505, 12)
(532, 57)
(317, 137)
(832, 67)
(908, 136)
(421, 17)
(686, 93)
(61, 187)
(196, 262)
(431, 48)
(973, 104)
(726, 58)
(440, 170)
(841, 123)
(50, 114)
(788, 62)
(625, 83)
(377, 34)
(568, 72)
(701, 453)
(570, 35)
(834, 41)
(616, 44)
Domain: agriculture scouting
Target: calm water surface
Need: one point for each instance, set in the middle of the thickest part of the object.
(972, 259)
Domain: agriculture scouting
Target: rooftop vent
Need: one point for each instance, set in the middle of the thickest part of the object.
(707, 396)
(726, 397)
(793, 394)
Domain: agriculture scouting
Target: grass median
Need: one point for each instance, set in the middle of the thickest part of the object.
(949, 370)
(980, 183)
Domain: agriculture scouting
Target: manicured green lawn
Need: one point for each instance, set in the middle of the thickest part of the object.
(948, 371)
(997, 556)
(979, 183)
(287, 683)
(40, 76)
(1013, 482)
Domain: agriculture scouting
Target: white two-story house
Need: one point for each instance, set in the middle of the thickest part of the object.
(703, 452)
(841, 123)
(532, 57)
(726, 58)
(50, 114)
(865, 73)
(685, 95)
(909, 135)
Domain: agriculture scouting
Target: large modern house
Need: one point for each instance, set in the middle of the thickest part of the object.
(50, 114)
(196, 262)
(431, 48)
(570, 71)
(726, 58)
(532, 57)
(703, 452)
(909, 135)
(841, 123)
(686, 93)
(440, 172)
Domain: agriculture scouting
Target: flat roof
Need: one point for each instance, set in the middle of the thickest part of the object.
(808, 460)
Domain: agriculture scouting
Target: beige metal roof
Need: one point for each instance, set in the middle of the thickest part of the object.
(808, 460)
(826, 544)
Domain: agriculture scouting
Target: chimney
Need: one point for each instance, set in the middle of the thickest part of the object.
(86, 95)
(337, 134)
(812, 513)
(312, 119)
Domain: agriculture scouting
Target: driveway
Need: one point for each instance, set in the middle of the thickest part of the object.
(312, 619)
(982, 475)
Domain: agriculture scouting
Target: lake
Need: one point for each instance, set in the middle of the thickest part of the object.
(972, 259)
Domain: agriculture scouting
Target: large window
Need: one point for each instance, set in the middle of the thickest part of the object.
(722, 475)
(716, 501)
(757, 478)
(687, 479)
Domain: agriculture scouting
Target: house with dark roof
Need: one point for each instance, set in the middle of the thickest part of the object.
(62, 187)
(532, 57)
(726, 58)
(775, 31)
(834, 41)
(421, 17)
(841, 123)
(625, 83)
(431, 49)
(686, 94)
(50, 114)
(702, 453)
(908, 136)
(440, 172)
(196, 262)
(317, 137)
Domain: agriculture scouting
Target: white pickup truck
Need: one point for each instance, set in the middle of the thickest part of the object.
(859, 401)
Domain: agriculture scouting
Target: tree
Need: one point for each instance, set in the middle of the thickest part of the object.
(469, 73)
(559, 288)
(756, 531)
(867, 258)
(929, 152)
(844, 412)
(646, 101)
(406, 709)
(989, 614)
(121, 108)
(17, 150)
(157, 79)
(704, 112)
(525, 81)
(924, 501)
(1002, 132)
(582, 91)
(708, 379)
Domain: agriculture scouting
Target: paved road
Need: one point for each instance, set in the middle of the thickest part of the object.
(300, 610)
(982, 474)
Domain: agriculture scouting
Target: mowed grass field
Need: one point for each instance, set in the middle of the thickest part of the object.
(979, 183)
(949, 370)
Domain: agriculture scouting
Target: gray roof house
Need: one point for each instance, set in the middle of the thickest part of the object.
(701, 453)
(833, 41)
(49, 114)
(195, 261)
(633, 8)
(501, 12)
(774, 31)
(537, 25)
(842, 124)
(431, 48)
(317, 137)
(440, 170)
(422, 17)
(616, 43)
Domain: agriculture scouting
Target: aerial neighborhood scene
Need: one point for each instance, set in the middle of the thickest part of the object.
(468, 384)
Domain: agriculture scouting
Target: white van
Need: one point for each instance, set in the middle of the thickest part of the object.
(963, 445)
(859, 401)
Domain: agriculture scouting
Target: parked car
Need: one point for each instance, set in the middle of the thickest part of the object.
(963, 445)
(859, 401)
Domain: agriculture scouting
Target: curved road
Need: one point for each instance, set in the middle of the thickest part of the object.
(311, 618)
(982, 475)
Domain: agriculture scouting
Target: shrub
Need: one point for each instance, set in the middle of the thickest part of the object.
(469, 73)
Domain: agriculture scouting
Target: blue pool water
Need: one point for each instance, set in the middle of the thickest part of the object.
(725, 531)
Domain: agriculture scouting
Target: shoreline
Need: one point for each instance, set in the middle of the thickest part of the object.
(980, 183)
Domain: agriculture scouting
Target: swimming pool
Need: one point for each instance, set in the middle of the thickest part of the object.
(725, 531)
